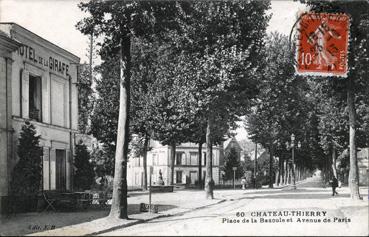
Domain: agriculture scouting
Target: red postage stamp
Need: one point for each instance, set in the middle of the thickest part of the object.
(322, 44)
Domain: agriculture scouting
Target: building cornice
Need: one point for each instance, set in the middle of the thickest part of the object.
(15, 29)
(45, 125)
(8, 44)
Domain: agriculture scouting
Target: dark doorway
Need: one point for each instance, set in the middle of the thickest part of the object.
(178, 177)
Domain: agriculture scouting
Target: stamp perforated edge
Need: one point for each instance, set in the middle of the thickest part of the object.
(322, 74)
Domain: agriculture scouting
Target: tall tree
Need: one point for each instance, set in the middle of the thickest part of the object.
(27, 173)
(119, 22)
(85, 175)
(222, 42)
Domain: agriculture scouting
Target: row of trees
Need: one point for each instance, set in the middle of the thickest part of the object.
(327, 115)
(186, 71)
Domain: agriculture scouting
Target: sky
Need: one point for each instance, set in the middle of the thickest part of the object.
(55, 21)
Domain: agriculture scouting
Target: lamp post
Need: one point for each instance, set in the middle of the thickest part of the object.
(151, 171)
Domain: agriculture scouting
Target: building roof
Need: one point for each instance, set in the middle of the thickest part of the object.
(229, 141)
(8, 29)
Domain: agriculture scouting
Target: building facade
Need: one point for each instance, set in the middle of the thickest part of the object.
(186, 171)
(38, 83)
(230, 144)
(185, 165)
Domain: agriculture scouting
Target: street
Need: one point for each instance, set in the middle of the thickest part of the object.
(309, 210)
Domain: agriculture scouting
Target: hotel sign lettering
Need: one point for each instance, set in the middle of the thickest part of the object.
(50, 62)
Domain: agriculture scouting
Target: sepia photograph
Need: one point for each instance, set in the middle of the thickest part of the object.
(184, 117)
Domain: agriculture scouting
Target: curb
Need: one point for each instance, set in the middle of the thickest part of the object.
(153, 218)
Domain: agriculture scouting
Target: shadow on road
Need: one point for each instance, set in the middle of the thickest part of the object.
(297, 196)
(298, 190)
(26, 223)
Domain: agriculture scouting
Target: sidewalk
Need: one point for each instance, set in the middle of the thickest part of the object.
(92, 222)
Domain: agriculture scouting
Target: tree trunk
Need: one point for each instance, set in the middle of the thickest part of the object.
(146, 144)
(285, 168)
(281, 172)
(296, 173)
(171, 162)
(119, 204)
(276, 177)
(334, 167)
(354, 171)
(209, 185)
(200, 166)
(271, 166)
(255, 164)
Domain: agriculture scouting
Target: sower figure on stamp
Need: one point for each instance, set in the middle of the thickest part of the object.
(319, 39)
(334, 186)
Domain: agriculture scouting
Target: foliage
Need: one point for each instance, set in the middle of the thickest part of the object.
(27, 173)
(283, 106)
(103, 160)
(247, 163)
(280, 108)
(85, 98)
(84, 169)
(104, 119)
(222, 42)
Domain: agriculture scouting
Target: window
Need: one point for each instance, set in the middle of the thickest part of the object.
(203, 158)
(34, 98)
(137, 179)
(193, 177)
(178, 177)
(193, 158)
(154, 159)
(179, 157)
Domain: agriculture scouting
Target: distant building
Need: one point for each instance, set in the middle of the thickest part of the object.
(37, 83)
(185, 166)
(363, 164)
(232, 143)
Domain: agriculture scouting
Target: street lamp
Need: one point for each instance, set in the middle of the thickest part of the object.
(293, 160)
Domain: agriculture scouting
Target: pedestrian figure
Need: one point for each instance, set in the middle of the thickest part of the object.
(334, 186)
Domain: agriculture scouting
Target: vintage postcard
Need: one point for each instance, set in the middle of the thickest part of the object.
(184, 118)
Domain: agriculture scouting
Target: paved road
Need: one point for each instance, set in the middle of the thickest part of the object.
(228, 218)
